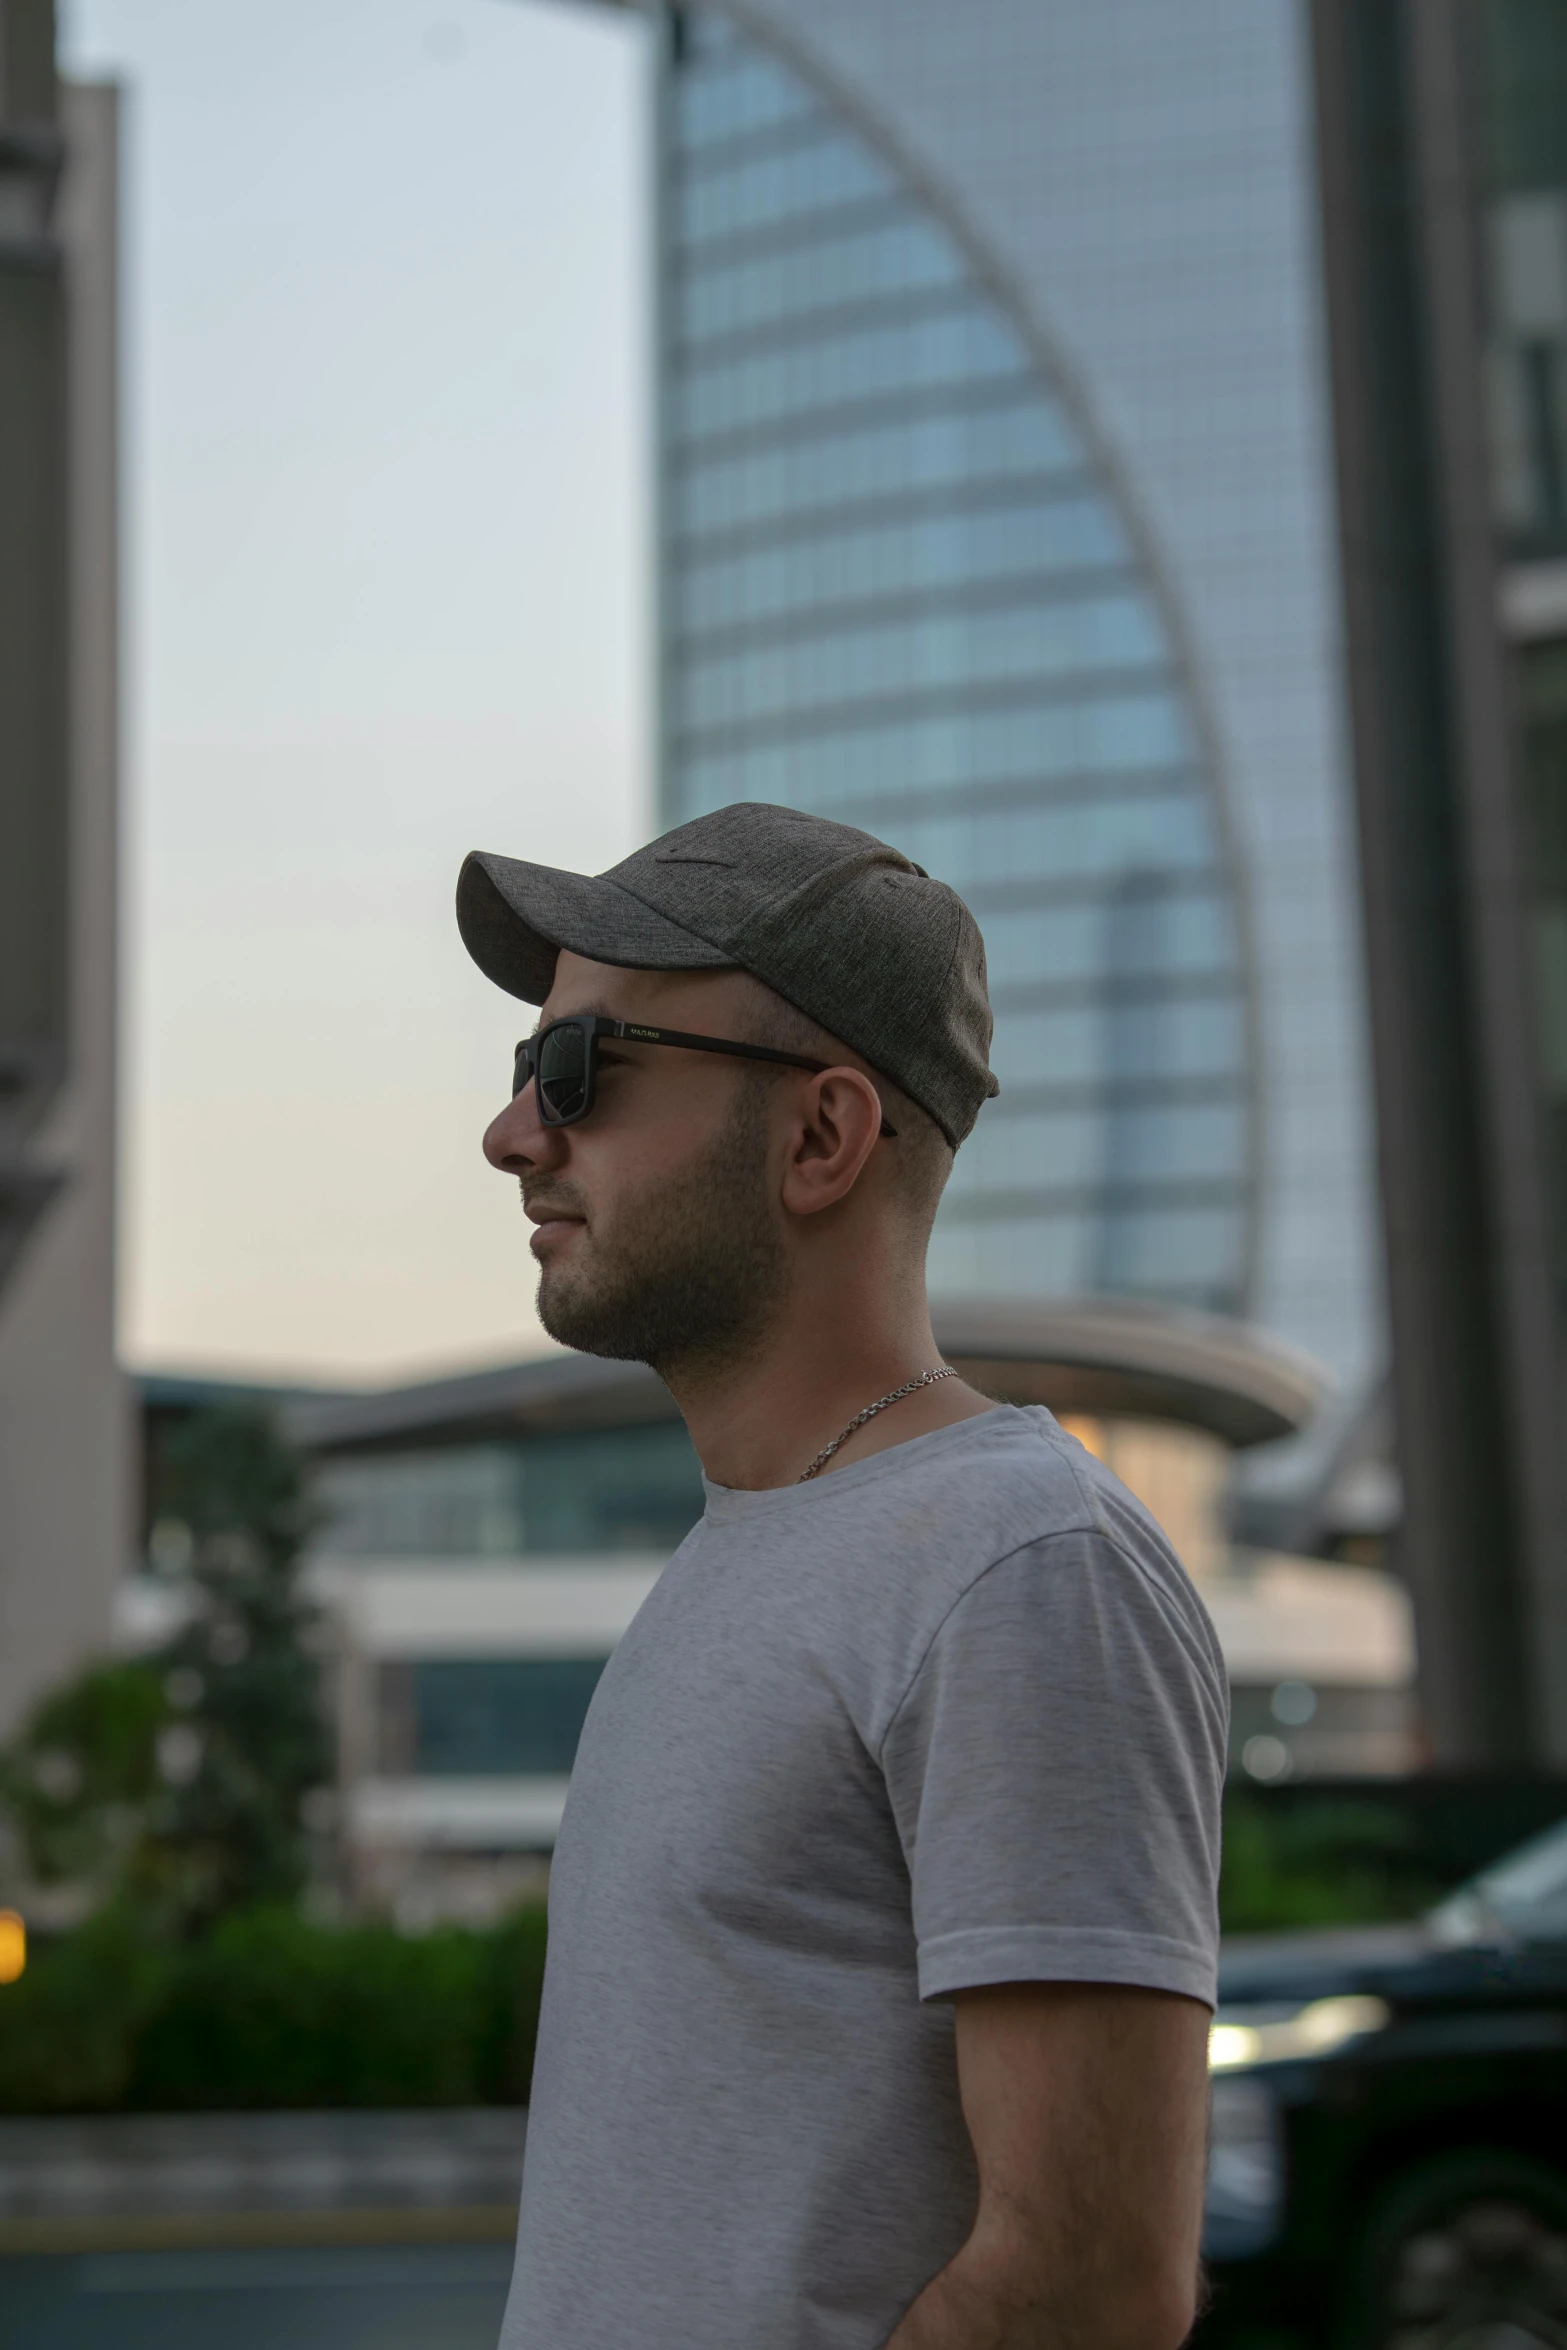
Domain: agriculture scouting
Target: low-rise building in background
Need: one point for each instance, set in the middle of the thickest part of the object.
(485, 1540)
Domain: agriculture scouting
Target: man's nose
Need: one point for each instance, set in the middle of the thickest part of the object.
(519, 1139)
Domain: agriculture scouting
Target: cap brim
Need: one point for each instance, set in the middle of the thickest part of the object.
(515, 918)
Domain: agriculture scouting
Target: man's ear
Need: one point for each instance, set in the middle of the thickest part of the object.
(831, 1141)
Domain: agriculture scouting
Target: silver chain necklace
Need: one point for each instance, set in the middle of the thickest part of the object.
(925, 1379)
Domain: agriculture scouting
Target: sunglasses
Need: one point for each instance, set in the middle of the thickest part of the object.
(562, 1061)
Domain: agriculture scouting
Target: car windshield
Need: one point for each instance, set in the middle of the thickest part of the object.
(1525, 1893)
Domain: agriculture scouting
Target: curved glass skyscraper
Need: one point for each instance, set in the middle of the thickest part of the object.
(953, 547)
(901, 591)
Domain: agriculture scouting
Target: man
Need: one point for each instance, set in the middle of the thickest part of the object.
(882, 1919)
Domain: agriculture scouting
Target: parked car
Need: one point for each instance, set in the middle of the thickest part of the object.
(1389, 2150)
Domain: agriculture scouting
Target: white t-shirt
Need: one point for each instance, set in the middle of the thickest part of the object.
(949, 1716)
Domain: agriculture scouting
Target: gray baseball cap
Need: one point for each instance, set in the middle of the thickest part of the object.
(842, 926)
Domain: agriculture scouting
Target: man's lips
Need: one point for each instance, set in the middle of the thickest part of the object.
(553, 1222)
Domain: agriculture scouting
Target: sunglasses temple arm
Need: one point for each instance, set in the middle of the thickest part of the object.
(743, 1052)
(713, 1044)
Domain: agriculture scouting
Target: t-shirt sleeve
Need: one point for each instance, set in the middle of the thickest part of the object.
(1055, 1771)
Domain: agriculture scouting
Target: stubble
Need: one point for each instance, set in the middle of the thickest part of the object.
(693, 1271)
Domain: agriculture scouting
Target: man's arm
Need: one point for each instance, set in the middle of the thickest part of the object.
(1087, 2104)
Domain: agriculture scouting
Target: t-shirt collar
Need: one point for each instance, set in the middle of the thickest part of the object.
(732, 1504)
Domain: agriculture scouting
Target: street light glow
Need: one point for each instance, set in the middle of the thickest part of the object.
(13, 1945)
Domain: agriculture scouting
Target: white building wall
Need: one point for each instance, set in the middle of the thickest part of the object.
(447, 1607)
(406, 1610)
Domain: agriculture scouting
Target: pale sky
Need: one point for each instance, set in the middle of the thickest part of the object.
(386, 600)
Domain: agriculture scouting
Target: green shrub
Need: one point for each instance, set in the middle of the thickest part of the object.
(269, 2010)
(69, 2027)
(1321, 1863)
(508, 2008)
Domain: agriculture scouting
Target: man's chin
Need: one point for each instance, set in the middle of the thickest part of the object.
(553, 1304)
(575, 1319)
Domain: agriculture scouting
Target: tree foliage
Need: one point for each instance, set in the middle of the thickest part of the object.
(78, 1783)
(181, 1782)
(247, 1746)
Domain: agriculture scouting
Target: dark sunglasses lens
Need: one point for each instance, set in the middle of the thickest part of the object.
(563, 1074)
(521, 1067)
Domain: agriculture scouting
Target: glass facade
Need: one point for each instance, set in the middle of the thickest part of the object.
(587, 1492)
(899, 589)
(484, 1717)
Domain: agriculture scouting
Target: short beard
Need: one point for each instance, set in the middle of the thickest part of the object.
(695, 1270)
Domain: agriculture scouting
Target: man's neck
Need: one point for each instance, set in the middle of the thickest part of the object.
(760, 1422)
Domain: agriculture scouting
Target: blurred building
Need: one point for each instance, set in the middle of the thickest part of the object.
(64, 1424)
(1442, 139)
(996, 516)
(488, 1538)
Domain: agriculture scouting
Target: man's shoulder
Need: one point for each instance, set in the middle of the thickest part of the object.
(1025, 1491)
(1012, 1481)
(1018, 1477)
(1019, 1535)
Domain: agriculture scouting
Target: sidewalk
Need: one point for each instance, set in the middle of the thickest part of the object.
(132, 2182)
